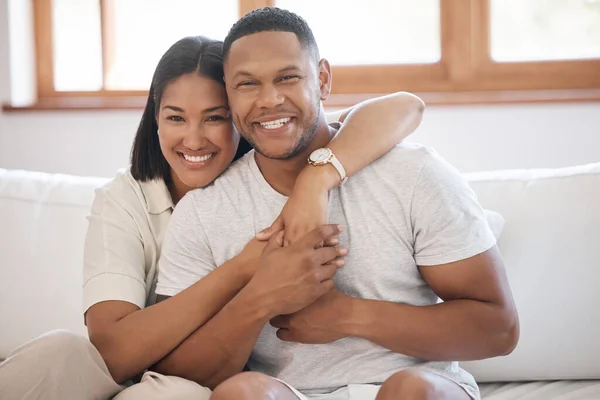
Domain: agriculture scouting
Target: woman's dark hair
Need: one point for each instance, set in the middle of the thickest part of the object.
(191, 54)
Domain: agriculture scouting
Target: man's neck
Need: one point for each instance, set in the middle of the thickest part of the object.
(282, 174)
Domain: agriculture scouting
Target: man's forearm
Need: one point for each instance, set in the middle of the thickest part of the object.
(220, 348)
(456, 330)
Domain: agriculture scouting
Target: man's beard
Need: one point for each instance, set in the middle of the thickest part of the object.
(302, 144)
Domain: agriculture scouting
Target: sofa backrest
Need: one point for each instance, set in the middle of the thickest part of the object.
(42, 229)
(550, 243)
(551, 248)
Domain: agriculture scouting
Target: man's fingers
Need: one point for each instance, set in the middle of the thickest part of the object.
(280, 321)
(275, 242)
(326, 272)
(326, 286)
(285, 335)
(325, 255)
(334, 241)
(320, 234)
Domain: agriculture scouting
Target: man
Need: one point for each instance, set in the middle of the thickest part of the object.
(412, 225)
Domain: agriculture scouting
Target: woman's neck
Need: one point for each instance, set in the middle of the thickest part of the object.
(177, 188)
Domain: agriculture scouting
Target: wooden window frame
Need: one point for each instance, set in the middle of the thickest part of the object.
(465, 74)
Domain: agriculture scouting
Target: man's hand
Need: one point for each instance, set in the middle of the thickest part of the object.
(288, 279)
(317, 323)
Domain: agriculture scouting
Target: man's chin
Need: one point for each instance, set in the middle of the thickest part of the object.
(277, 152)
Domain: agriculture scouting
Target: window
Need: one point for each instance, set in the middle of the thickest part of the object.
(545, 30)
(114, 45)
(444, 48)
(374, 32)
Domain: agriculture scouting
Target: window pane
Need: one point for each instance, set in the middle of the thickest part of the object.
(374, 31)
(545, 29)
(145, 29)
(77, 45)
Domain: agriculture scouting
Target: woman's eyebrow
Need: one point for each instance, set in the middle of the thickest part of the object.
(211, 109)
(178, 109)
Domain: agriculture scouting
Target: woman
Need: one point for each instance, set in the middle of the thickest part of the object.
(185, 140)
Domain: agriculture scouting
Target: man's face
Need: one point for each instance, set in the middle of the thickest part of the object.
(275, 89)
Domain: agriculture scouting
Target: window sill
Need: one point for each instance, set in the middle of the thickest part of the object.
(77, 103)
(482, 98)
(335, 100)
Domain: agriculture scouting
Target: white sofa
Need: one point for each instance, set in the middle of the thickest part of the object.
(550, 242)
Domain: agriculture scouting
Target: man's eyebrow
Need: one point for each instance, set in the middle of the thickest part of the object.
(289, 68)
(241, 73)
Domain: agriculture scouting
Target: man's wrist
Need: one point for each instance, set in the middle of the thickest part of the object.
(355, 317)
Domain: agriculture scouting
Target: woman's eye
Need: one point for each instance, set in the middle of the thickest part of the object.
(214, 118)
(246, 83)
(175, 118)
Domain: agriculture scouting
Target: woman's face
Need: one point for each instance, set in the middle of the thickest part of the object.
(195, 131)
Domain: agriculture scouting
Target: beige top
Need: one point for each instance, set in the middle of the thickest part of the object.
(124, 237)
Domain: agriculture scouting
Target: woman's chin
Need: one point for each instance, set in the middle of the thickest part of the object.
(195, 182)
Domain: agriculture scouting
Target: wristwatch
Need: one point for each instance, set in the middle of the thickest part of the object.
(324, 156)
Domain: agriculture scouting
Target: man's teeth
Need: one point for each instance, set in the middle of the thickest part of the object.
(198, 158)
(278, 123)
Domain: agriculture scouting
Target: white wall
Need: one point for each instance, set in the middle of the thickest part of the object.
(472, 138)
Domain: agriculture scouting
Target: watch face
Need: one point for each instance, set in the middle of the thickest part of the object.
(320, 155)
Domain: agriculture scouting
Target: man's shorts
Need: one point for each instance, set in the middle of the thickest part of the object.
(350, 392)
(363, 392)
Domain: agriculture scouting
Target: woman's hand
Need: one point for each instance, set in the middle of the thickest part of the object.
(248, 258)
(307, 207)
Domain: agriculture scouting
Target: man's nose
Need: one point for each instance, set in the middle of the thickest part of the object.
(270, 97)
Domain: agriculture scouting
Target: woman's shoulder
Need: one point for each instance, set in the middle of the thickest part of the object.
(123, 186)
(127, 192)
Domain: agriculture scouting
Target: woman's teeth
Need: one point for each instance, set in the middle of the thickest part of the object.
(198, 158)
(278, 123)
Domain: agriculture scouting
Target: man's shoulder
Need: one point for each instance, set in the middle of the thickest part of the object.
(411, 153)
(407, 159)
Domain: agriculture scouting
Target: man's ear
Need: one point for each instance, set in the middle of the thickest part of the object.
(324, 79)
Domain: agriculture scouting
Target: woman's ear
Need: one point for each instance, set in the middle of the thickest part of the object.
(324, 79)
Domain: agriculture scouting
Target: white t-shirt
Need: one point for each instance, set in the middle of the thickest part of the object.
(123, 241)
(408, 208)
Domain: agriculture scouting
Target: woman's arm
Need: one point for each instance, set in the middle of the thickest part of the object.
(370, 129)
(131, 339)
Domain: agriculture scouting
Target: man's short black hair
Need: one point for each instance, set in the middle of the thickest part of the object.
(272, 19)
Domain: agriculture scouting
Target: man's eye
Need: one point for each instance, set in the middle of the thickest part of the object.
(289, 77)
(246, 83)
(175, 118)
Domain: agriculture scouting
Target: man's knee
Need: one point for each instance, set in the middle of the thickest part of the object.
(245, 385)
(410, 384)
